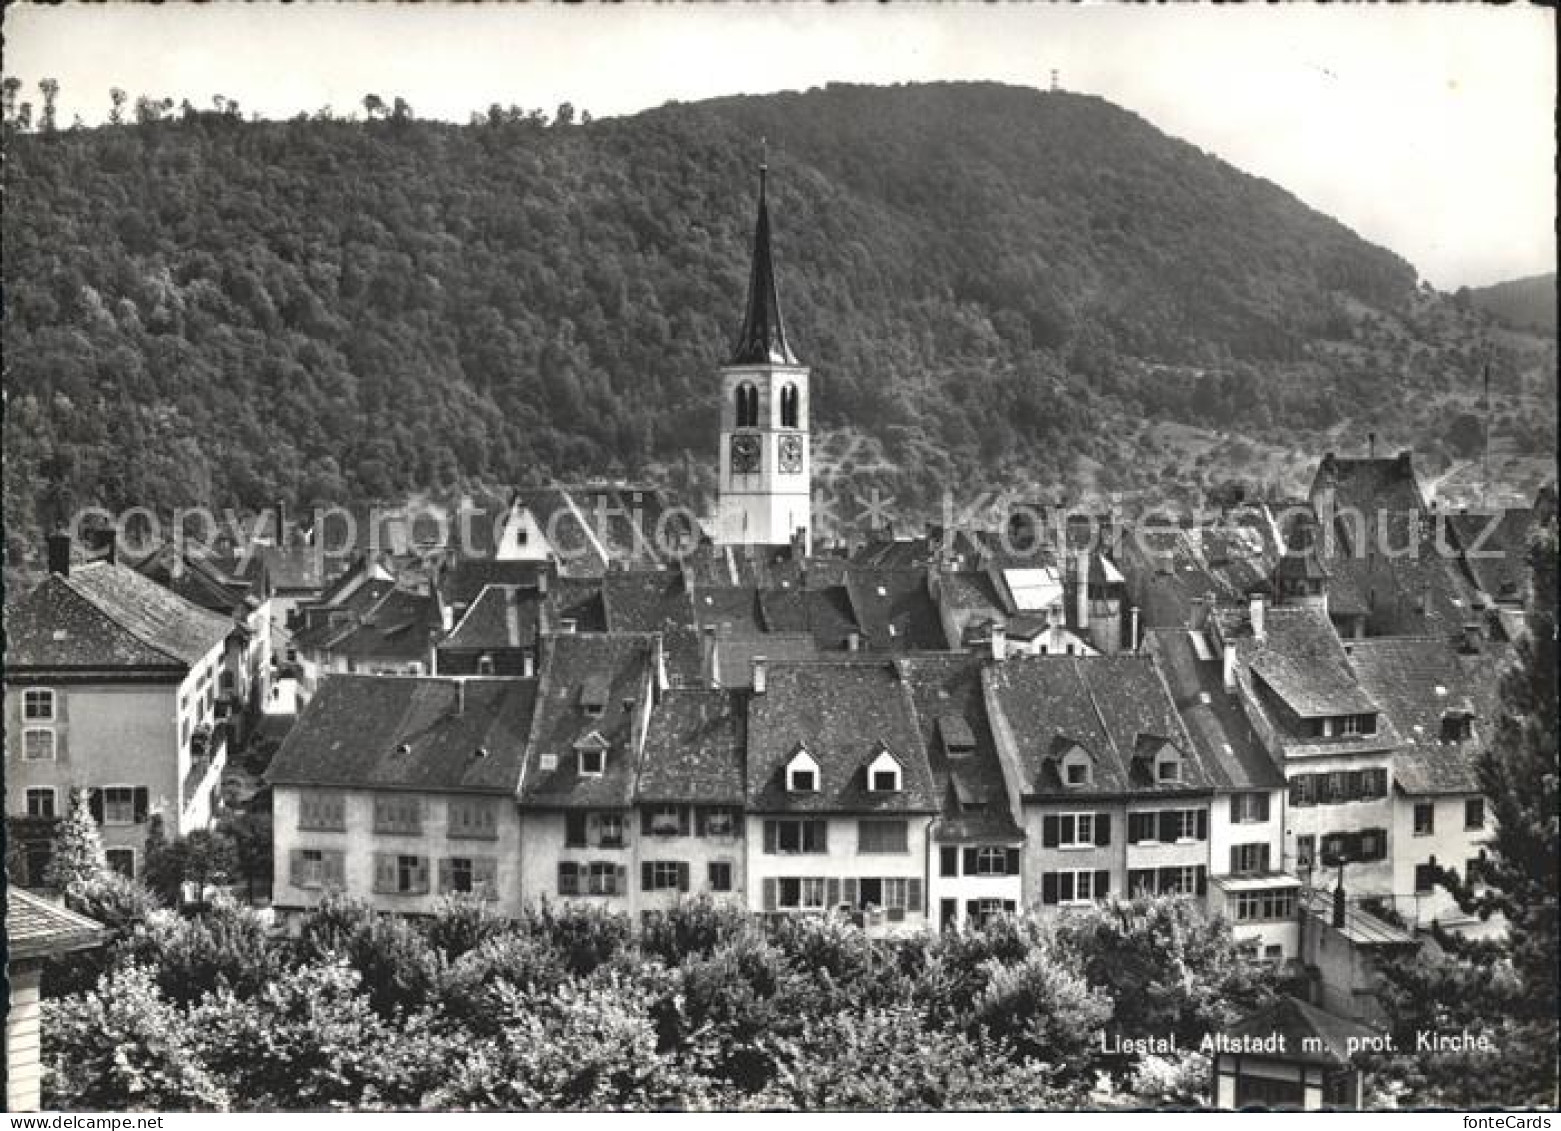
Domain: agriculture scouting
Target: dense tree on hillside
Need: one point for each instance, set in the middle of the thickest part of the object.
(205, 310)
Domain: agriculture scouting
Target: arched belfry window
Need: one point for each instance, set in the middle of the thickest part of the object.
(789, 406)
(747, 406)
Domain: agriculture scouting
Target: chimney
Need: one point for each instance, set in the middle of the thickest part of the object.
(1339, 903)
(59, 553)
(1371, 445)
(999, 641)
(712, 658)
(1471, 638)
(542, 583)
(760, 678)
(853, 641)
(279, 514)
(1230, 666)
(1132, 639)
(1083, 593)
(1257, 610)
(528, 664)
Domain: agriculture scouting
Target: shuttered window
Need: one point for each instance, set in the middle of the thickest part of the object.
(322, 811)
(882, 837)
(317, 868)
(399, 814)
(397, 874)
(473, 818)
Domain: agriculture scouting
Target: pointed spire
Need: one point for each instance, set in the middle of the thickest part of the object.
(762, 340)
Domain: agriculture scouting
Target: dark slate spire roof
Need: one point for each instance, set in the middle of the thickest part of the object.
(763, 337)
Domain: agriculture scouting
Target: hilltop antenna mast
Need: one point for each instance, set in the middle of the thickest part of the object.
(1485, 470)
(1056, 81)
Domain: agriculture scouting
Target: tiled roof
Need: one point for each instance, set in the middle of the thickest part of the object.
(646, 601)
(845, 714)
(946, 692)
(574, 598)
(824, 611)
(464, 582)
(197, 580)
(896, 612)
(1418, 681)
(1392, 592)
(399, 628)
(735, 655)
(1105, 704)
(1232, 752)
(400, 732)
(734, 611)
(36, 928)
(1300, 658)
(1371, 484)
(966, 589)
(620, 665)
(503, 616)
(1499, 561)
(895, 553)
(108, 616)
(1311, 1035)
(694, 749)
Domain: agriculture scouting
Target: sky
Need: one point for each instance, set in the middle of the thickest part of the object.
(1428, 129)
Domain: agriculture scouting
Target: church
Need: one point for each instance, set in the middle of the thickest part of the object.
(764, 461)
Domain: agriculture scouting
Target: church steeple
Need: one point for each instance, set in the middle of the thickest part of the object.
(763, 337)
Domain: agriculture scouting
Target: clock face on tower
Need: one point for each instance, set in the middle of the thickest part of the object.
(791, 454)
(745, 454)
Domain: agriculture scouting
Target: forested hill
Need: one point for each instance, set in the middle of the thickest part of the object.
(1524, 304)
(987, 279)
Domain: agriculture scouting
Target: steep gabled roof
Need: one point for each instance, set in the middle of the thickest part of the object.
(845, 713)
(1418, 681)
(951, 710)
(618, 670)
(896, 612)
(694, 749)
(502, 616)
(400, 732)
(646, 601)
(1231, 751)
(762, 339)
(108, 616)
(464, 582)
(1044, 705)
(1300, 659)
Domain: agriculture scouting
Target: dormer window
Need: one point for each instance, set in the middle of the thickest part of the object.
(1457, 726)
(883, 774)
(1075, 765)
(1168, 770)
(958, 739)
(802, 774)
(593, 696)
(591, 755)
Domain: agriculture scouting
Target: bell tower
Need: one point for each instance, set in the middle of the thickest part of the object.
(766, 467)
